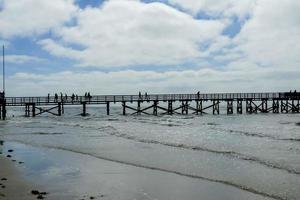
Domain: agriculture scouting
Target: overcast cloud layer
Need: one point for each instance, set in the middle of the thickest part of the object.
(124, 46)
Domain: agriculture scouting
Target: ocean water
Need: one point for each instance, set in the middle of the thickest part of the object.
(257, 154)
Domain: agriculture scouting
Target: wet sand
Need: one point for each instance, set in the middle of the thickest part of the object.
(68, 175)
(12, 185)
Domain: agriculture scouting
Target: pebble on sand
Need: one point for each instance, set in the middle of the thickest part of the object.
(40, 197)
(3, 179)
(10, 150)
(35, 192)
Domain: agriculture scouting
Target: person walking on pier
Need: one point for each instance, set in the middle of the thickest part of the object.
(198, 94)
(73, 97)
(55, 97)
(89, 96)
(140, 95)
(48, 98)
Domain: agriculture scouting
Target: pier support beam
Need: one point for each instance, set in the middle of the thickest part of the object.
(249, 108)
(59, 109)
(239, 107)
(185, 107)
(83, 108)
(107, 108)
(264, 106)
(124, 107)
(155, 107)
(216, 107)
(3, 110)
(170, 107)
(230, 107)
(27, 111)
(284, 108)
(138, 107)
(33, 110)
(275, 106)
(198, 107)
(295, 106)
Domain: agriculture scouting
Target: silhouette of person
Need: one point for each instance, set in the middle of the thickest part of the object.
(73, 97)
(55, 97)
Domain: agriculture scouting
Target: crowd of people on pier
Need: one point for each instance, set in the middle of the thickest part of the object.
(66, 98)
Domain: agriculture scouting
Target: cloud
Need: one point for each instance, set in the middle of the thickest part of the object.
(130, 82)
(271, 36)
(29, 17)
(20, 59)
(217, 8)
(127, 33)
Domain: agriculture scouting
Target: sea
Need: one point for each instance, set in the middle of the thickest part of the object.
(184, 157)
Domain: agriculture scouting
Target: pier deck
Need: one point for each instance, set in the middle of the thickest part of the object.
(285, 102)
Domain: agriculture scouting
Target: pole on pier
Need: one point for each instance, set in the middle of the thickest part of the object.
(107, 108)
(3, 69)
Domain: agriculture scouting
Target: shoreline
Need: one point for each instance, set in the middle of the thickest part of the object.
(75, 176)
(12, 184)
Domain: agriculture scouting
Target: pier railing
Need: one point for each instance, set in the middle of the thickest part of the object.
(150, 97)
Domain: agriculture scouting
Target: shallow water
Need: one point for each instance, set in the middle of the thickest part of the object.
(257, 154)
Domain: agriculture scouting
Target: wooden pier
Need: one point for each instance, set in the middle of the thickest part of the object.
(160, 104)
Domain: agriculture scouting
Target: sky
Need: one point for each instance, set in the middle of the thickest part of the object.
(154, 46)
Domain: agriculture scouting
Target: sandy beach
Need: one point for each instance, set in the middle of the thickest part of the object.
(12, 184)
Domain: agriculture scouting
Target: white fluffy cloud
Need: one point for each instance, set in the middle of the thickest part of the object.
(130, 82)
(217, 8)
(263, 56)
(123, 33)
(271, 37)
(20, 59)
(28, 17)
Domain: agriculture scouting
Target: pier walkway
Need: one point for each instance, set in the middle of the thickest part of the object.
(155, 104)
